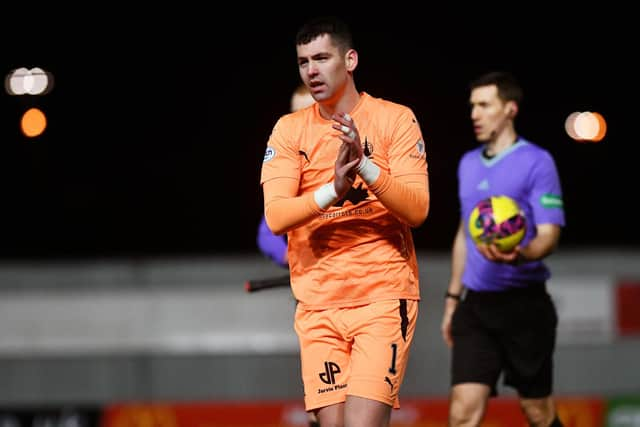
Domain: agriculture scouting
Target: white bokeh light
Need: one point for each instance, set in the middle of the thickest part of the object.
(24, 81)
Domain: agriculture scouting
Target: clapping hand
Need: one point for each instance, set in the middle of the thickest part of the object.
(349, 155)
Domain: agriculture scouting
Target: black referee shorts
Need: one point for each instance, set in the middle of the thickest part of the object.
(511, 332)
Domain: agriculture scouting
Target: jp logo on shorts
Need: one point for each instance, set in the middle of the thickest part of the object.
(329, 374)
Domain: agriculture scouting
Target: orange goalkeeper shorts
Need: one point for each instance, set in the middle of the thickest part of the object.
(360, 351)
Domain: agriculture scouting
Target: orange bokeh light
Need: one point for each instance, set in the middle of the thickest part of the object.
(602, 127)
(33, 122)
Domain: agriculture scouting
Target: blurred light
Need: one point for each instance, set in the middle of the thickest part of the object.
(14, 83)
(569, 125)
(602, 127)
(23, 81)
(586, 126)
(38, 81)
(33, 122)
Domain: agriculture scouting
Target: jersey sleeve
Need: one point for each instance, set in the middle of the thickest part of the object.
(280, 157)
(284, 209)
(407, 155)
(546, 194)
(404, 190)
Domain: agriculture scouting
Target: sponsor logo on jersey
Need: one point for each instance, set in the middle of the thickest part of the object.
(551, 201)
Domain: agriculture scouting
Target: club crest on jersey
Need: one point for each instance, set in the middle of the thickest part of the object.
(367, 148)
(269, 154)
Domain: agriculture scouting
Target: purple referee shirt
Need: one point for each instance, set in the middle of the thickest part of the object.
(527, 173)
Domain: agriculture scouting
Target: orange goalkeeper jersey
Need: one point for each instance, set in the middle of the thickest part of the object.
(356, 251)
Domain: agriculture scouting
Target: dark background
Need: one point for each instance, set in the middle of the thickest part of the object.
(159, 118)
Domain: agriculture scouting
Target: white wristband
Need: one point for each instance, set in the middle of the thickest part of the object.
(368, 170)
(325, 196)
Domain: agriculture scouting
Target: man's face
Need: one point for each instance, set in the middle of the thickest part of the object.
(322, 68)
(489, 113)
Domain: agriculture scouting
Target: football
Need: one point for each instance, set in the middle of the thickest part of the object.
(498, 220)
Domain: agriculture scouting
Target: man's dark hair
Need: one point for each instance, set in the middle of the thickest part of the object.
(509, 88)
(331, 25)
